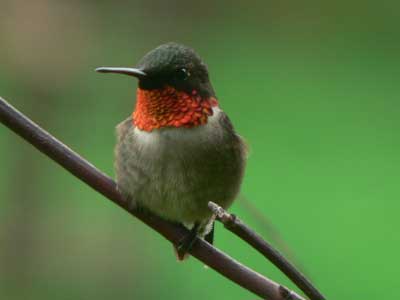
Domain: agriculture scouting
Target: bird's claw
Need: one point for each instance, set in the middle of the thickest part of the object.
(187, 242)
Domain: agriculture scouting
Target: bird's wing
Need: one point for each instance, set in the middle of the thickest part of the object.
(123, 128)
(240, 144)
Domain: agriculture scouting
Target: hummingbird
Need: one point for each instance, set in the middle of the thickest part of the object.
(178, 150)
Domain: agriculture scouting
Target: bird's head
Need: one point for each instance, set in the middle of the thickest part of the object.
(174, 88)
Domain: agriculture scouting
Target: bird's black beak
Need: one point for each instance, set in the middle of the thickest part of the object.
(127, 71)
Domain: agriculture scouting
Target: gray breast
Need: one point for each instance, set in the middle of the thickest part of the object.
(174, 172)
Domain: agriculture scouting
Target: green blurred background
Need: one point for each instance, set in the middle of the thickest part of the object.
(314, 88)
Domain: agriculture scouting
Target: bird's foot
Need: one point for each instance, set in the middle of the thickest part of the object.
(187, 242)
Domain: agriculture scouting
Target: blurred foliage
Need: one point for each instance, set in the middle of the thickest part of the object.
(312, 86)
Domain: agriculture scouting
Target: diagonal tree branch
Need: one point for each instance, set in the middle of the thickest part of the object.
(86, 172)
(236, 226)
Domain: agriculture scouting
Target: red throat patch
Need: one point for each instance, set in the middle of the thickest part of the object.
(168, 107)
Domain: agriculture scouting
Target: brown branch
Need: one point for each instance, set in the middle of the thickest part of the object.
(86, 172)
(235, 225)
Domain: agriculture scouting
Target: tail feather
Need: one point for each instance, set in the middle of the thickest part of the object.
(180, 255)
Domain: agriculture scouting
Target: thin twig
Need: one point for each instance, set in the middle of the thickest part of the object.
(235, 225)
(86, 172)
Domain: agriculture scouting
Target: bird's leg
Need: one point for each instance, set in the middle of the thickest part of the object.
(210, 236)
(186, 243)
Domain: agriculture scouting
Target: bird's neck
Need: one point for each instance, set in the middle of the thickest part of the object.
(168, 107)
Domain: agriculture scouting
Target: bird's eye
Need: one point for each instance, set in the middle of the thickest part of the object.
(182, 74)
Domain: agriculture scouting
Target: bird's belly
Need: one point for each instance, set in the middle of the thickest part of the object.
(174, 190)
(175, 172)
